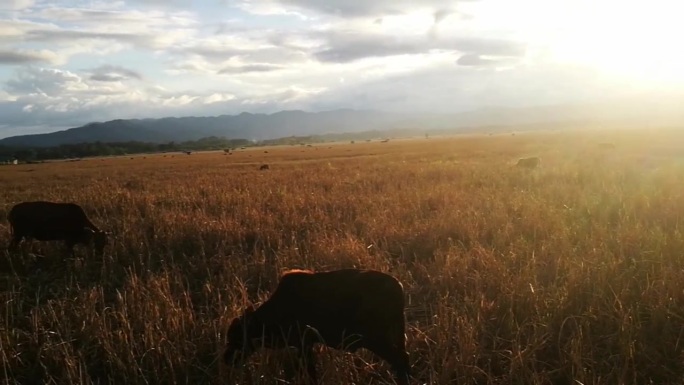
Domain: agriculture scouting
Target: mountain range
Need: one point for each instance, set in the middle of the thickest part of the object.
(624, 113)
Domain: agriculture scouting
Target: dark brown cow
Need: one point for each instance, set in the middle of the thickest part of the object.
(264, 167)
(344, 309)
(49, 221)
(532, 162)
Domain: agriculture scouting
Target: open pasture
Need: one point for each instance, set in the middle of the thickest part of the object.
(566, 274)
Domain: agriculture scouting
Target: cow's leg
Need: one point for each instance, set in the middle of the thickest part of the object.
(69, 248)
(309, 359)
(397, 357)
(14, 242)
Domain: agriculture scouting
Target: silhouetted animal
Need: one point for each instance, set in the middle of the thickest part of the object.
(532, 162)
(49, 221)
(264, 167)
(344, 309)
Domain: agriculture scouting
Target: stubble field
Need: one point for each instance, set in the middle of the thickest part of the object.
(569, 274)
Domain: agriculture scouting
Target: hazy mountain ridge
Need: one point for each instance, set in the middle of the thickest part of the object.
(297, 123)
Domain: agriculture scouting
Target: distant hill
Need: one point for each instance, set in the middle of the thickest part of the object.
(244, 125)
(260, 127)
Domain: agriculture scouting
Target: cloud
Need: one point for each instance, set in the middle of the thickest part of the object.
(16, 4)
(45, 82)
(342, 46)
(474, 60)
(151, 29)
(26, 57)
(239, 69)
(346, 8)
(108, 18)
(238, 53)
(44, 35)
(111, 73)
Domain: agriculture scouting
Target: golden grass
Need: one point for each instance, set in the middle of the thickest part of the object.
(571, 273)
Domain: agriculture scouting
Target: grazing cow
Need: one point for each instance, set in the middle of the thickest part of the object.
(344, 309)
(264, 167)
(49, 221)
(532, 162)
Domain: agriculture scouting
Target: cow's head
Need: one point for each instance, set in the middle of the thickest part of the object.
(244, 335)
(100, 241)
(97, 237)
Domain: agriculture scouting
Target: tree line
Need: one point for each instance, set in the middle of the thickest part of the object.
(91, 149)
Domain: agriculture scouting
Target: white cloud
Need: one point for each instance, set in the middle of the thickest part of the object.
(15, 4)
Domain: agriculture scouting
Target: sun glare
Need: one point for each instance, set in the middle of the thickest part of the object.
(635, 40)
(639, 40)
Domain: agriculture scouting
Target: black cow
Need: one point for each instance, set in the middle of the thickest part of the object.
(532, 162)
(49, 221)
(344, 309)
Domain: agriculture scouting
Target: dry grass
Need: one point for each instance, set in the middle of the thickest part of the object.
(568, 274)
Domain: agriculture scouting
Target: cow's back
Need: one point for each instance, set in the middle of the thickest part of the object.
(341, 301)
(339, 287)
(47, 220)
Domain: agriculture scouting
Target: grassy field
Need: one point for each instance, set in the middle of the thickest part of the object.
(569, 274)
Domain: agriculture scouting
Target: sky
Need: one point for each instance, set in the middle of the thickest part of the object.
(67, 63)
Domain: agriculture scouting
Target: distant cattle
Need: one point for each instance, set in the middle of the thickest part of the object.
(344, 309)
(264, 167)
(532, 162)
(49, 221)
(187, 152)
